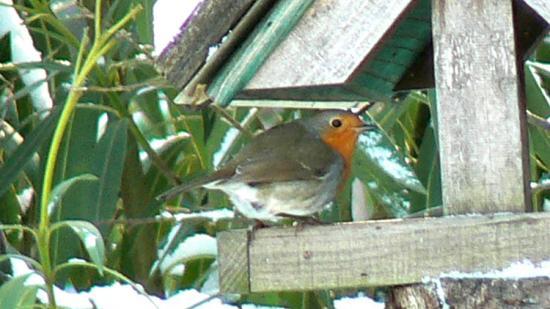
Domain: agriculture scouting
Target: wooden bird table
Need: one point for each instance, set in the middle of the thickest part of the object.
(483, 151)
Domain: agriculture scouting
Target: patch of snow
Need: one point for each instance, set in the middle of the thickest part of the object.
(211, 51)
(211, 285)
(159, 144)
(213, 215)
(518, 270)
(196, 246)
(63, 298)
(372, 144)
(102, 121)
(360, 301)
(114, 296)
(25, 198)
(440, 292)
(23, 50)
(252, 306)
(125, 296)
(214, 48)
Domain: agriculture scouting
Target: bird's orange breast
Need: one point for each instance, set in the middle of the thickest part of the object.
(343, 142)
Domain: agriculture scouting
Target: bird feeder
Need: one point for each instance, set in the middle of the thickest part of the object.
(336, 52)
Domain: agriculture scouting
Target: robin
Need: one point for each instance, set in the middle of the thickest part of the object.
(291, 170)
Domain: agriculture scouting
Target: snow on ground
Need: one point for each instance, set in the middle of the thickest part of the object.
(362, 302)
(124, 296)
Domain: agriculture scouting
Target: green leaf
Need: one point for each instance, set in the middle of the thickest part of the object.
(428, 171)
(61, 188)
(138, 250)
(108, 164)
(538, 101)
(71, 15)
(15, 164)
(224, 138)
(16, 293)
(95, 201)
(144, 21)
(91, 239)
(376, 148)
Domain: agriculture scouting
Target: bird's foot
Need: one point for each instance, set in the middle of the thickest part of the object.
(253, 228)
(301, 222)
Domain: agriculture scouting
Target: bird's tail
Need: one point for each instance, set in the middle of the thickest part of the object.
(193, 184)
(173, 192)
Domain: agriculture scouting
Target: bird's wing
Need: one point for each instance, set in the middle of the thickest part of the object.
(304, 156)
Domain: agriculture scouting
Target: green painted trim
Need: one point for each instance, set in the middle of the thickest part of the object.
(244, 64)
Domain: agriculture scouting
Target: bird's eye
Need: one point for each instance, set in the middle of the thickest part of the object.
(336, 123)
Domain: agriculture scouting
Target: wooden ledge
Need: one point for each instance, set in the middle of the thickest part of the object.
(375, 253)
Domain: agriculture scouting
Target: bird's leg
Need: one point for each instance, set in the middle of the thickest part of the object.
(253, 228)
(302, 221)
(310, 220)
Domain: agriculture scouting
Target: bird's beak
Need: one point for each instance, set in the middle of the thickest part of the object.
(365, 127)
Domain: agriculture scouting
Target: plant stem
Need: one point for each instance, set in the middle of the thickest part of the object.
(101, 45)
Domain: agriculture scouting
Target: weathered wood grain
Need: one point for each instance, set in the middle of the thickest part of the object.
(413, 296)
(389, 252)
(298, 104)
(474, 293)
(194, 92)
(250, 56)
(204, 28)
(542, 7)
(329, 43)
(480, 142)
(233, 261)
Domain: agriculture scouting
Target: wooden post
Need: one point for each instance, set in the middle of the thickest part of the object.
(479, 293)
(480, 141)
(233, 260)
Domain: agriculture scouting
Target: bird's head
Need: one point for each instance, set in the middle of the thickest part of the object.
(339, 129)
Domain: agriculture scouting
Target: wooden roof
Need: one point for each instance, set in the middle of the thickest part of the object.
(337, 51)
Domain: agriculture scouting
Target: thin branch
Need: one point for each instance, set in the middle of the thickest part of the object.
(539, 187)
(365, 108)
(204, 301)
(231, 120)
(155, 158)
(538, 121)
(156, 82)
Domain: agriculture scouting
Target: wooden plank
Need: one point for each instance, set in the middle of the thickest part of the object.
(542, 7)
(233, 261)
(246, 61)
(299, 104)
(388, 252)
(480, 142)
(205, 27)
(474, 293)
(329, 43)
(319, 93)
